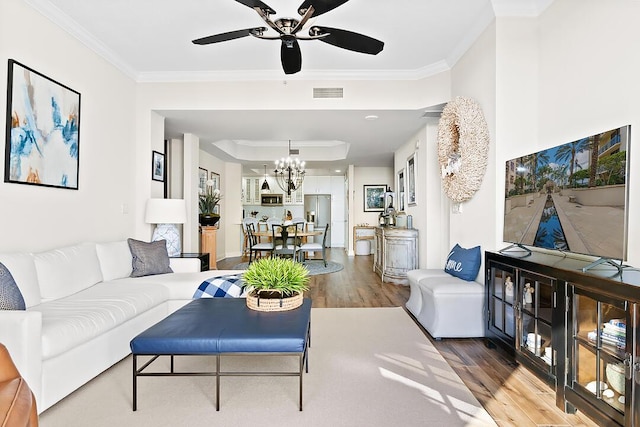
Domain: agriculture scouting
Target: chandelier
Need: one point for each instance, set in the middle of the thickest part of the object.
(289, 173)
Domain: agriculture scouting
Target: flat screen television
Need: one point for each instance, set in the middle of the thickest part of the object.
(572, 197)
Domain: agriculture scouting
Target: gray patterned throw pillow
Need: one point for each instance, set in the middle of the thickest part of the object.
(10, 295)
(149, 258)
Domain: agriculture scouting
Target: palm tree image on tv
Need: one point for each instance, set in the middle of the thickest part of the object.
(571, 197)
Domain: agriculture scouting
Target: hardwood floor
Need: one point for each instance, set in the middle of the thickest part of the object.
(511, 394)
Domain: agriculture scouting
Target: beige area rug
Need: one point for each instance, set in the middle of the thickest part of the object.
(368, 367)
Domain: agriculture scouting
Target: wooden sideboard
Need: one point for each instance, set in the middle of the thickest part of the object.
(208, 244)
(396, 253)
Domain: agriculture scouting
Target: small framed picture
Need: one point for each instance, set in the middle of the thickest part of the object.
(157, 166)
(400, 188)
(411, 180)
(203, 176)
(215, 177)
(374, 198)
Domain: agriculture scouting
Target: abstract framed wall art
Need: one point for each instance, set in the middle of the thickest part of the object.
(43, 130)
(374, 198)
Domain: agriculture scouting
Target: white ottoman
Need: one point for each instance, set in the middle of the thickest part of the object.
(446, 306)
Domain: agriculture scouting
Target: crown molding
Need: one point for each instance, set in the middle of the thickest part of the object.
(272, 75)
(55, 15)
(525, 8)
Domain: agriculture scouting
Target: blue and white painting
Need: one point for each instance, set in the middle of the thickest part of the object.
(43, 130)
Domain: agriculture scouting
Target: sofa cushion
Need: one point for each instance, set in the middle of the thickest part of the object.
(78, 318)
(180, 286)
(464, 263)
(23, 270)
(10, 296)
(65, 271)
(115, 260)
(450, 285)
(149, 258)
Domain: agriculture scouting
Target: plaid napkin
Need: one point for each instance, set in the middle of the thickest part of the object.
(230, 286)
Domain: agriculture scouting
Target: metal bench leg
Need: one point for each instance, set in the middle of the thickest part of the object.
(217, 382)
(135, 382)
(302, 357)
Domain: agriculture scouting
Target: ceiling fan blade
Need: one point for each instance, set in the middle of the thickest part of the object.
(290, 55)
(231, 35)
(257, 3)
(320, 6)
(348, 40)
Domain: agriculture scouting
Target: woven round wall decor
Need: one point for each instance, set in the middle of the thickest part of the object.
(463, 148)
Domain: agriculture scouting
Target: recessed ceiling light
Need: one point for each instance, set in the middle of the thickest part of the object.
(338, 171)
(371, 117)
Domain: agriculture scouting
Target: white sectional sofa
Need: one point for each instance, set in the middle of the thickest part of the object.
(83, 309)
(446, 306)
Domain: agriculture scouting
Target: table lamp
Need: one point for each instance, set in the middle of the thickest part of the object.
(166, 213)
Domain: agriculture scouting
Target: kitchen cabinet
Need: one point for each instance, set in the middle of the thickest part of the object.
(296, 197)
(317, 185)
(251, 190)
(578, 331)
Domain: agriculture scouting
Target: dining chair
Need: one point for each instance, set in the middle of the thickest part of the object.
(273, 221)
(299, 220)
(245, 222)
(284, 243)
(316, 247)
(255, 246)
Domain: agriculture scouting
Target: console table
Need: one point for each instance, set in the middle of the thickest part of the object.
(580, 332)
(208, 244)
(396, 253)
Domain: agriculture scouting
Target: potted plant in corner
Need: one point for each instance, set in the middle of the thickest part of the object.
(275, 284)
(208, 201)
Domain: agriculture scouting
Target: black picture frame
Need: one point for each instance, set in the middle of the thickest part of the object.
(411, 180)
(42, 130)
(373, 196)
(158, 167)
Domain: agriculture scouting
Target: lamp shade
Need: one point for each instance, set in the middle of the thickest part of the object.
(166, 211)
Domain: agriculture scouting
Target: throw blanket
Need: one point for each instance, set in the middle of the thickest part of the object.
(230, 286)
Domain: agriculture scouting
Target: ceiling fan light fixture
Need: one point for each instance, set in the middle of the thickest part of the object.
(288, 31)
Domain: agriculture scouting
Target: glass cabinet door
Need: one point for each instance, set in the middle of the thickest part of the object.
(537, 301)
(502, 299)
(599, 366)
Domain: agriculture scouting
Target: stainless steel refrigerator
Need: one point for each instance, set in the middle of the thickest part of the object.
(317, 209)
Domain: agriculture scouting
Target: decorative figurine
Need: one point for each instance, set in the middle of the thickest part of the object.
(527, 293)
(508, 287)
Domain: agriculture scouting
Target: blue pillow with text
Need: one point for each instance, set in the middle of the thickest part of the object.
(464, 263)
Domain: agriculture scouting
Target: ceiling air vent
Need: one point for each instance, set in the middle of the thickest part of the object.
(328, 92)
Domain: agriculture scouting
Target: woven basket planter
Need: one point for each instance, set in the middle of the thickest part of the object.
(273, 301)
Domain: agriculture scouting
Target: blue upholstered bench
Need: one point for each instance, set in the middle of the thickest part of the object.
(224, 326)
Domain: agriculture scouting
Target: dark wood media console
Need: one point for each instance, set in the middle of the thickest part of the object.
(578, 331)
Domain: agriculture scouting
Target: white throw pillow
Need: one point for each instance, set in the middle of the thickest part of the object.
(115, 260)
(23, 270)
(65, 271)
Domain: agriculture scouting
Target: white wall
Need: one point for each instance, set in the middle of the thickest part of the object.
(430, 213)
(38, 218)
(475, 76)
(589, 71)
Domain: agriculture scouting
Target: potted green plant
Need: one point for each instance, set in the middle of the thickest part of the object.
(209, 199)
(275, 284)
